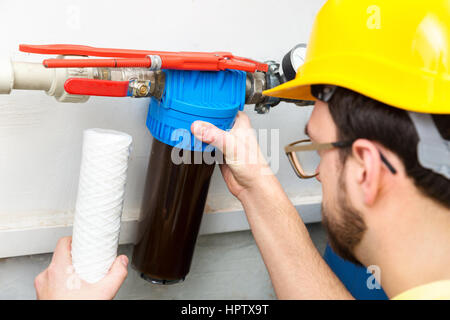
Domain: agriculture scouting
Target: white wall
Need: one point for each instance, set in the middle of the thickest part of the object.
(40, 139)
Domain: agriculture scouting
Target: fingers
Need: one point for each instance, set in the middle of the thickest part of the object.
(62, 254)
(242, 121)
(116, 275)
(209, 133)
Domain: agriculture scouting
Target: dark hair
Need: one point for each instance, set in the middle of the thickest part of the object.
(357, 116)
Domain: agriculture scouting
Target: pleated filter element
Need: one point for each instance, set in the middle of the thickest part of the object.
(101, 189)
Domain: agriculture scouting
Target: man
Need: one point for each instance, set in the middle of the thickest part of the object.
(377, 71)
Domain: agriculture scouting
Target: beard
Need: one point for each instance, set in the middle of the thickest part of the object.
(345, 228)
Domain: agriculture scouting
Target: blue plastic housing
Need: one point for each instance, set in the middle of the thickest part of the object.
(211, 96)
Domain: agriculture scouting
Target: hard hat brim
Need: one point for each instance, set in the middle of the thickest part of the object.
(422, 91)
(293, 89)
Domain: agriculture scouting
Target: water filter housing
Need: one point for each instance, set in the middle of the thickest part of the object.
(211, 96)
(175, 194)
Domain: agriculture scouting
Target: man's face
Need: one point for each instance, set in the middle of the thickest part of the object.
(344, 225)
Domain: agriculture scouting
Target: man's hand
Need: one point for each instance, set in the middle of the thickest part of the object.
(244, 163)
(60, 282)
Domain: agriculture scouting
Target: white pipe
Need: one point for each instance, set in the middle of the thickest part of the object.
(32, 76)
(24, 75)
(6, 75)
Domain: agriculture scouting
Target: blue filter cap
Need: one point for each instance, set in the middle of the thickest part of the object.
(212, 96)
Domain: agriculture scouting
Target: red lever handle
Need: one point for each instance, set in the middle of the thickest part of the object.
(212, 61)
(78, 50)
(98, 63)
(94, 87)
(167, 62)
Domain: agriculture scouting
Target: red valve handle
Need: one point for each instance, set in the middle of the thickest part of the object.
(94, 87)
(79, 50)
(213, 61)
(97, 63)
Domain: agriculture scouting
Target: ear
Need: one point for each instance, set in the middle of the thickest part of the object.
(368, 168)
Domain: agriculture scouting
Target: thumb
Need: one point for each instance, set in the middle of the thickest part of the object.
(116, 275)
(209, 133)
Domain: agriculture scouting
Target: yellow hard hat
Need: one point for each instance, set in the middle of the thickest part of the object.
(396, 52)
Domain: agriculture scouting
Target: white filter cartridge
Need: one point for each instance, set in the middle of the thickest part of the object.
(101, 189)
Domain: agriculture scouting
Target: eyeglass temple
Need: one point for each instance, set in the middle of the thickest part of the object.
(387, 163)
(383, 158)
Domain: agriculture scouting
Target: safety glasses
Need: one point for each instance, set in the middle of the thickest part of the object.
(304, 156)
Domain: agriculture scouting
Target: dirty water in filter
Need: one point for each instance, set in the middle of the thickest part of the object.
(171, 213)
